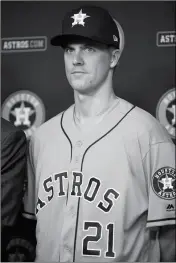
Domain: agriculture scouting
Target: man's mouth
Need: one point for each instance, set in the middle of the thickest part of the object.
(78, 72)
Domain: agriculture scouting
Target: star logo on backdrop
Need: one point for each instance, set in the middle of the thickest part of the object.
(22, 115)
(79, 18)
(172, 110)
(25, 110)
(165, 111)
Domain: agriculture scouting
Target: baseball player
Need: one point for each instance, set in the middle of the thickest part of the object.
(101, 174)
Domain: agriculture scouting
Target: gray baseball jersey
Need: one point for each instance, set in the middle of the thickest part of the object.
(97, 194)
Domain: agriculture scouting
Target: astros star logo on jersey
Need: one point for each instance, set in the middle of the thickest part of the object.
(79, 18)
(163, 183)
(165, 111)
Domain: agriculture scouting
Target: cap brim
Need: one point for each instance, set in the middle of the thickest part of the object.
(63, 40)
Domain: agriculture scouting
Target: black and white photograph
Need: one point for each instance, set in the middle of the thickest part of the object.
(88, 131)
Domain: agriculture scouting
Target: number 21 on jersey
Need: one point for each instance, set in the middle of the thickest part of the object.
(98, 228)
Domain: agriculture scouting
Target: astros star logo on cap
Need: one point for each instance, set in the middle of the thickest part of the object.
(79, 18)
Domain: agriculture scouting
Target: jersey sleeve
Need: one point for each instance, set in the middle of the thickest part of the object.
(29, 201)
(159, 166)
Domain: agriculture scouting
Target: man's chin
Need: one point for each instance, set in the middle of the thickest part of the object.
(84, 90)
(80, 90)
(77, 86)
(82, 87)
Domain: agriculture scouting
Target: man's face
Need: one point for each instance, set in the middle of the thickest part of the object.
(87, 65)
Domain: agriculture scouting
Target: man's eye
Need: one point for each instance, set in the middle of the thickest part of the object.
(89, 49)
(68, 50)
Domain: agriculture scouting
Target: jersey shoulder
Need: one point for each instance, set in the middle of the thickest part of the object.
(50, 128)
(148, 125)
(143, 124)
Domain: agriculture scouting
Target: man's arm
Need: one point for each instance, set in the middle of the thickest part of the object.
(167, 236)
(159, 166)
(13, 170)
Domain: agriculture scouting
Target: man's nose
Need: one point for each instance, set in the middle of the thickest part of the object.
(78, 59)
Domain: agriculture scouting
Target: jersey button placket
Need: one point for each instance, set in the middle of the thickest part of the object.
(79, 143)
(76, 160)
(71, 210)
(68, 230)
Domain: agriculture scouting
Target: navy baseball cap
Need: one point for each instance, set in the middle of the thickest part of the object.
(88, 22)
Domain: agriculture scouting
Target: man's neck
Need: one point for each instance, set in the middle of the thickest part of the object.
(89, 107)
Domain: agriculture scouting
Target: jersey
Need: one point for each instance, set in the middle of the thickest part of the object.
(97, 195)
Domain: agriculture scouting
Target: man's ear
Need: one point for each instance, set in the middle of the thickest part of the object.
(115, 56)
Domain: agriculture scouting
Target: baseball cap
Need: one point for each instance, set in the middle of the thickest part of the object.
(88, 22)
